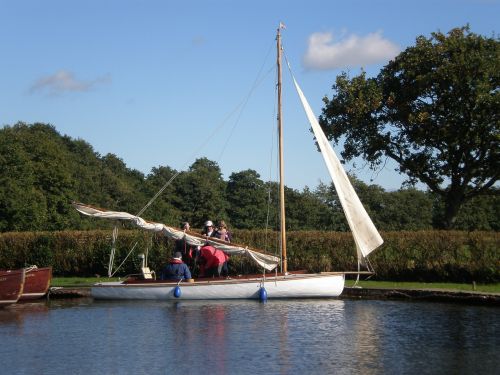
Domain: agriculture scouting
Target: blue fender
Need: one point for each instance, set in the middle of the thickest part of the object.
(177, 291)
(262, 294)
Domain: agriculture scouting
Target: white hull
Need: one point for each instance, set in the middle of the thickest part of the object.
(290, 286)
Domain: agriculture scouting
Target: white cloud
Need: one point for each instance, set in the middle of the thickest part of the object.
(64, 81)
(325, 53)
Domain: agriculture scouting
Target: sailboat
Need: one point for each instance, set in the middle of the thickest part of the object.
(267, 285)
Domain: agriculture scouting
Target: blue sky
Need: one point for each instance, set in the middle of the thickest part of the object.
(150, 81)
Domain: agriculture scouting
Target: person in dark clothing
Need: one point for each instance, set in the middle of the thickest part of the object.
(209, 229)
(176, 269)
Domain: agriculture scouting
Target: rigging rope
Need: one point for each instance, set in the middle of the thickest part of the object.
(148, 247)
(241, 105)
(113, 250)
(121, 264)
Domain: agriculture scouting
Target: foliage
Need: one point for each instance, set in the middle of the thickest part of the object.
(433, 109)
(42, 172)
(438, 256)
(478, 213)
(247, 199)
(168, 207)
(201, 192)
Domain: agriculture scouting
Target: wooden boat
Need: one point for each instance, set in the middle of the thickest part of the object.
(37, 282)
(283, 285)
(11, 286)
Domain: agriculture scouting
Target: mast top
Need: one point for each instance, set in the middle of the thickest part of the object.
(278, 31)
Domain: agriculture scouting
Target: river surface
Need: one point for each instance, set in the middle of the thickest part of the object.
(325, 336)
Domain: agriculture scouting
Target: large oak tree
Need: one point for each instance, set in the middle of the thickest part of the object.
(434, 109)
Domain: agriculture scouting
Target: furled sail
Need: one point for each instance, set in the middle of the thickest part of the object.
(364, 232)
(269, 262)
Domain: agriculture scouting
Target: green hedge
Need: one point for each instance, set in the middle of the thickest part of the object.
(452, 256)
(79, 253)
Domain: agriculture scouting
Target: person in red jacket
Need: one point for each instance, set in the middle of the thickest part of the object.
(213, 262)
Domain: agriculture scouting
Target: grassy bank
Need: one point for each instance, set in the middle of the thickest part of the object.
(485, 288)
(75, 282)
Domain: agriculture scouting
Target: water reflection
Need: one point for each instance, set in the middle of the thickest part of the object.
(283, 354)
(365, 327)
(16, 314)
(247, 337)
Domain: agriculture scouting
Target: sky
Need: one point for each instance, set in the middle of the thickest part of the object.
(162, 83)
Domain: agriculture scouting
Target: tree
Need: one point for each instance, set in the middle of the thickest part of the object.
(21, 206)
(336, 219)
(43, 172)
(201, 192)
(306, 211)
(246, 198)
(121, 185)
(434, 109)
(51, 182)
(480, 213)
(406, 209)
(164, 207)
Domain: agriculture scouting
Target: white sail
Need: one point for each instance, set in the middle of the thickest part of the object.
(364, 232)
(269, 262)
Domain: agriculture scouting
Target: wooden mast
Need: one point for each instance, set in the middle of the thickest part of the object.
(281, 165)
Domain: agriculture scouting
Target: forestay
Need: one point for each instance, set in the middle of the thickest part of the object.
(269, 262)
(364, 232)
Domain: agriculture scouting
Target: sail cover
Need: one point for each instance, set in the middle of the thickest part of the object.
(364, 232)
(269, 262)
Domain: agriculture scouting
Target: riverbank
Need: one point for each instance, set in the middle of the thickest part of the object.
(435, 295)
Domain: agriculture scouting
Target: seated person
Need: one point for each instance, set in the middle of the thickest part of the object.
(176, 269)
(213, 262)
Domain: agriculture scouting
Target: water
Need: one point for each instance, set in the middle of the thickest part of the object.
(247, 337)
